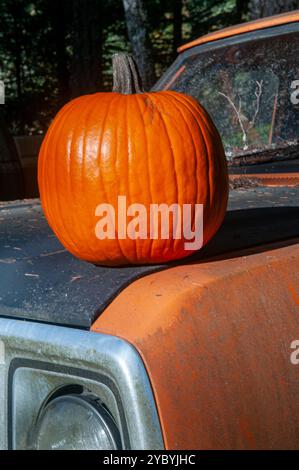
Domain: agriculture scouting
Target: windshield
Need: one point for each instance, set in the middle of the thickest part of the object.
(250, 89)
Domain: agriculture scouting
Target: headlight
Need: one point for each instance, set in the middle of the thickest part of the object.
(75, 422)
(65, 388)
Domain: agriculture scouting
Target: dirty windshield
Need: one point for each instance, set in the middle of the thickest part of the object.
(251, 90)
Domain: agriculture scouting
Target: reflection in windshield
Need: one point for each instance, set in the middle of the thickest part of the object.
(247, 90)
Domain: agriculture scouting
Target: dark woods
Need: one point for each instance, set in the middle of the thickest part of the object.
(53, 50)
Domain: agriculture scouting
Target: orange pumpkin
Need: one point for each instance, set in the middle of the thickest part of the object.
(153, 148)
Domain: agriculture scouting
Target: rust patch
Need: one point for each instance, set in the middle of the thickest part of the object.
(294, 295)
(245, 430)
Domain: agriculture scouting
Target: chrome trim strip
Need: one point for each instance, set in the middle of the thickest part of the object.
(95, 352)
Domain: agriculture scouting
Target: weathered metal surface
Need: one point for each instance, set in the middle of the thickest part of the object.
(215, 337)
(263, 23)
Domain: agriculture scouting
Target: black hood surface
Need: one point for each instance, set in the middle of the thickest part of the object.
(41, 281)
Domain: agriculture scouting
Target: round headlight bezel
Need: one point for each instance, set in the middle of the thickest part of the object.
(88, 401)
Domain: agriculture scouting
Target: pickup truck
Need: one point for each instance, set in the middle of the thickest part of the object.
(201, 353)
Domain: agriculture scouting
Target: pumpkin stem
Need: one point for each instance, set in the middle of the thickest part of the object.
(126, 78)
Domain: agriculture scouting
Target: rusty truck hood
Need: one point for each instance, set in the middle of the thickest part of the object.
(41, 281)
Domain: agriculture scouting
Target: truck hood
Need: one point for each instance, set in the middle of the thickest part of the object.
(41, 281)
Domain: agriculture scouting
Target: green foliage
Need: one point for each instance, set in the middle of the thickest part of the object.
(36, 63)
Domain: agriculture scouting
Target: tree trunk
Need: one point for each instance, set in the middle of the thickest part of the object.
(59, 19)
(18, 48)
(86, 74)
(138, 32)
(262, 8)
(177, 25)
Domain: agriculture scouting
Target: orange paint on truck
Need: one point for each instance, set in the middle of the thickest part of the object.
(263, 23)
(215, 338)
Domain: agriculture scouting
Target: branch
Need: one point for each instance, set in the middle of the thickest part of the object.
(238, 113)
(258, 94)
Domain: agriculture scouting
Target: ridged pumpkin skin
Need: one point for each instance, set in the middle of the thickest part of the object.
(157, 147)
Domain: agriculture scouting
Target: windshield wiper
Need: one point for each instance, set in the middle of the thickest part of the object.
(275, 153)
